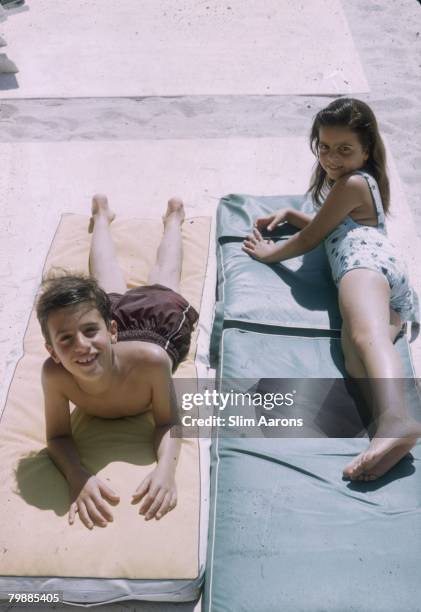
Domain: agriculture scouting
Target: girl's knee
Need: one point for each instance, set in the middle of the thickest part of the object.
(365, 340)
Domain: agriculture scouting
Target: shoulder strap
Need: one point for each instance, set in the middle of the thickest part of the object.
(375, 193)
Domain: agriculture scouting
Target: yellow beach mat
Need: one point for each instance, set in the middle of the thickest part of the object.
(36, 539)
(167, 48)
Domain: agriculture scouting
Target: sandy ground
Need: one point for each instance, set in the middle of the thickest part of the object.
(387, 36)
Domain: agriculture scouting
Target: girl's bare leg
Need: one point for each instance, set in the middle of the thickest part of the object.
(167, 269)
(370, 329)
(103, 264)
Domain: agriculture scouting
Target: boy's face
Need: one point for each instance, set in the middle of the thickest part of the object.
(340, 151)
(80, 340)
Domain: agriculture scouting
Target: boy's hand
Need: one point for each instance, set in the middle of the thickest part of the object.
(271, 221)
(88, 501)
(259, 248)
(157, 492)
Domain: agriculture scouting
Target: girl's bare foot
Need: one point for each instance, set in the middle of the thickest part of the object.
(100, 208)
(175, 211)
(383, 453)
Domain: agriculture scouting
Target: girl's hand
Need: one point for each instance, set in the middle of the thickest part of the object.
(259, 248)
(271, 221)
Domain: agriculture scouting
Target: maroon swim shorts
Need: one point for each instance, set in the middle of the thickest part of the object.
(154, 313)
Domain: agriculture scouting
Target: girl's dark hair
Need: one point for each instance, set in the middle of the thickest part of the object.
(68, 290)
(358, 117)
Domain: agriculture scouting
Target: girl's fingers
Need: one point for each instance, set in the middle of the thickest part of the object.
(262, 221)
(249, 243)
(248, 251)
(257, 234)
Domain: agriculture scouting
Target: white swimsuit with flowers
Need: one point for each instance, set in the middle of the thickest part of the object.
(352, 245)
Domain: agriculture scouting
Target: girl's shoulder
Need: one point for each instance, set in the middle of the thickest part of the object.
(358, 181)
(367, 177)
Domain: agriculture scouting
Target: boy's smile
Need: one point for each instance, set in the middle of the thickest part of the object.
(80, 340)
(340, 151)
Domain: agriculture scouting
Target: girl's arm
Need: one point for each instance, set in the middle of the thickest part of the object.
(347, 194)
(289, 215)
(298, 218)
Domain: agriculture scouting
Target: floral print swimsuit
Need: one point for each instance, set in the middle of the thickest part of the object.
(352, 245)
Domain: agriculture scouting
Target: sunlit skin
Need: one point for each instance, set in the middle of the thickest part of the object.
(370, 327)
(105, 378)
(340, 151)
(82, 344)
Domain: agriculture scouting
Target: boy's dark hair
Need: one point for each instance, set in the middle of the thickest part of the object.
(68, 290)
(358, 117)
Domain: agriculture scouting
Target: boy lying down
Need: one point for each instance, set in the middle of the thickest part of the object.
(85, 322)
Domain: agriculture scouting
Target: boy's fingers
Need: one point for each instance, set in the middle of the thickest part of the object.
(84, 516)
(148, 501)
(72, 513)
(108, 493)
(95, 514)
(141, 489)
(257, 234)
(165, 506)
(103, 509)
(156, 504)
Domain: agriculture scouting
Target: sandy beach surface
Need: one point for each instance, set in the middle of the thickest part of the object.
(387, 37)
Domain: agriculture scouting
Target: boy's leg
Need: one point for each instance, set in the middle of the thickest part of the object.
(371, 328)
(167, 269)
(103, 264)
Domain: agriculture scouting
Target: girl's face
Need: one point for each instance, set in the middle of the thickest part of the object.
(340, 151)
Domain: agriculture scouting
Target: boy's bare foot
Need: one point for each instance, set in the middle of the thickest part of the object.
(175, 210)
(382, 454)
(100, 208)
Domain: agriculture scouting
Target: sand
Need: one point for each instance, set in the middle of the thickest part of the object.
(387, 36)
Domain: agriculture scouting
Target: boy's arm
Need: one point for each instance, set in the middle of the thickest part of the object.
(158, 490)
(60, 443)
(86, 490)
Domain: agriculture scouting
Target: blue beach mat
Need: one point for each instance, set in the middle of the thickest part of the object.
(286, 531)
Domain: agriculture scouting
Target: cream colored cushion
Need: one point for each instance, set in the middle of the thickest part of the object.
(36, 538)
